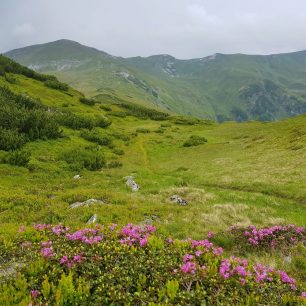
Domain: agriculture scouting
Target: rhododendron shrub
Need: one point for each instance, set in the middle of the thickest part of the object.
(105, 265)
(281, 237)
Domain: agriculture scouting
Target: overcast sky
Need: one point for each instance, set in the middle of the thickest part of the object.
(183, 28)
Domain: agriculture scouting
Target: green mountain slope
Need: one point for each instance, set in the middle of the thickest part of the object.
(246, 173)
(220, 87)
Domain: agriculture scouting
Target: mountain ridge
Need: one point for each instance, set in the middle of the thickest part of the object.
(208, 87)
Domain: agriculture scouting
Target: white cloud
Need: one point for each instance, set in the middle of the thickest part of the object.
(22, 30)
(183, 28)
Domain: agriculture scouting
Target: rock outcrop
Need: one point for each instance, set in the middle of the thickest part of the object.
(86, 203)
(176, 199)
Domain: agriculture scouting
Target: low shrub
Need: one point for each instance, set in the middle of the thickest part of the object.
(118, 114)
(186, 120)
(142, 130)
(194, 140)
(86, 101)
(95, 137)
(114, 164)
(143, 112)
(78, 122)
(280, 237)
(11, 139)
(55, 84)
(106, 108)
(19, 158)
(118, 151)
(24, 119)
(90, 158)
(103, 265)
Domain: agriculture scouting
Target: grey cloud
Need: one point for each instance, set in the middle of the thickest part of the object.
(183, 28)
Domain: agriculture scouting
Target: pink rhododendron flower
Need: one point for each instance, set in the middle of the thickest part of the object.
(47, 252)
(303, 295)
(143, 242)
(189, 267)
(34, 293)
(210, 234)
(198, 253)
(187, 257)
(46, 243)
(59, 229)
(113, 226)
(224, 269)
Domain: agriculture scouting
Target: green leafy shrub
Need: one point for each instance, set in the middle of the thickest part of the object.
(9, 78)
(86, 101)
(143, 112)
(75, 122)
(120, 136)
(118, 114)
(118, 151)
(10, 66)
(194, 140)
(185, 120)
(24, 119)
(95, 137)
(17, 158)
(11, 139)
(90, 158)
(114, 164)
(55, 84)
(142, 130)
(106, 108)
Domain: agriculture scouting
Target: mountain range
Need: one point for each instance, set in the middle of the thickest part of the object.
(220, 87)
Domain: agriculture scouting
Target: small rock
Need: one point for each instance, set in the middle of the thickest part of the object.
(132, 184)
(93, 219)
(51, 196)
(86, 203)
(176, 199)
(287, 259)
(77, 177)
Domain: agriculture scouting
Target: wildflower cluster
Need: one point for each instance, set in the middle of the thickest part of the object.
(133, 234)
(278, 236)
(111, 265)
(87, 235)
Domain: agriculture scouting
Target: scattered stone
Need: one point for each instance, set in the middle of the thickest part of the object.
(176, 199)
(77, 177)
(132, 184)
(287, 259)
(93, 219)
(86, 203)
(51, 196)
(150, 219)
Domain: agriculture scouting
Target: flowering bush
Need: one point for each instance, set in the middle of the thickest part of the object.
(133, 265)
(275, 237)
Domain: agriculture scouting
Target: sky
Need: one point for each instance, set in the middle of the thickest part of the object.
(182, 28)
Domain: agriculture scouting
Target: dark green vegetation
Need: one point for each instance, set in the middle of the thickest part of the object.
(220, 87)
(246, 173)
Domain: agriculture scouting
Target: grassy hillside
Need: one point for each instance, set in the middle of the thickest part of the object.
(219, 87)
(250, 173)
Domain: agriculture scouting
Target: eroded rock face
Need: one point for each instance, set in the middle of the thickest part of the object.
(132, 184)
(86, 203)
(92, 219)
(176, 199)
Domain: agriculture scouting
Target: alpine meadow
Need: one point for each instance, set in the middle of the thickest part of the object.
(151, 180)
